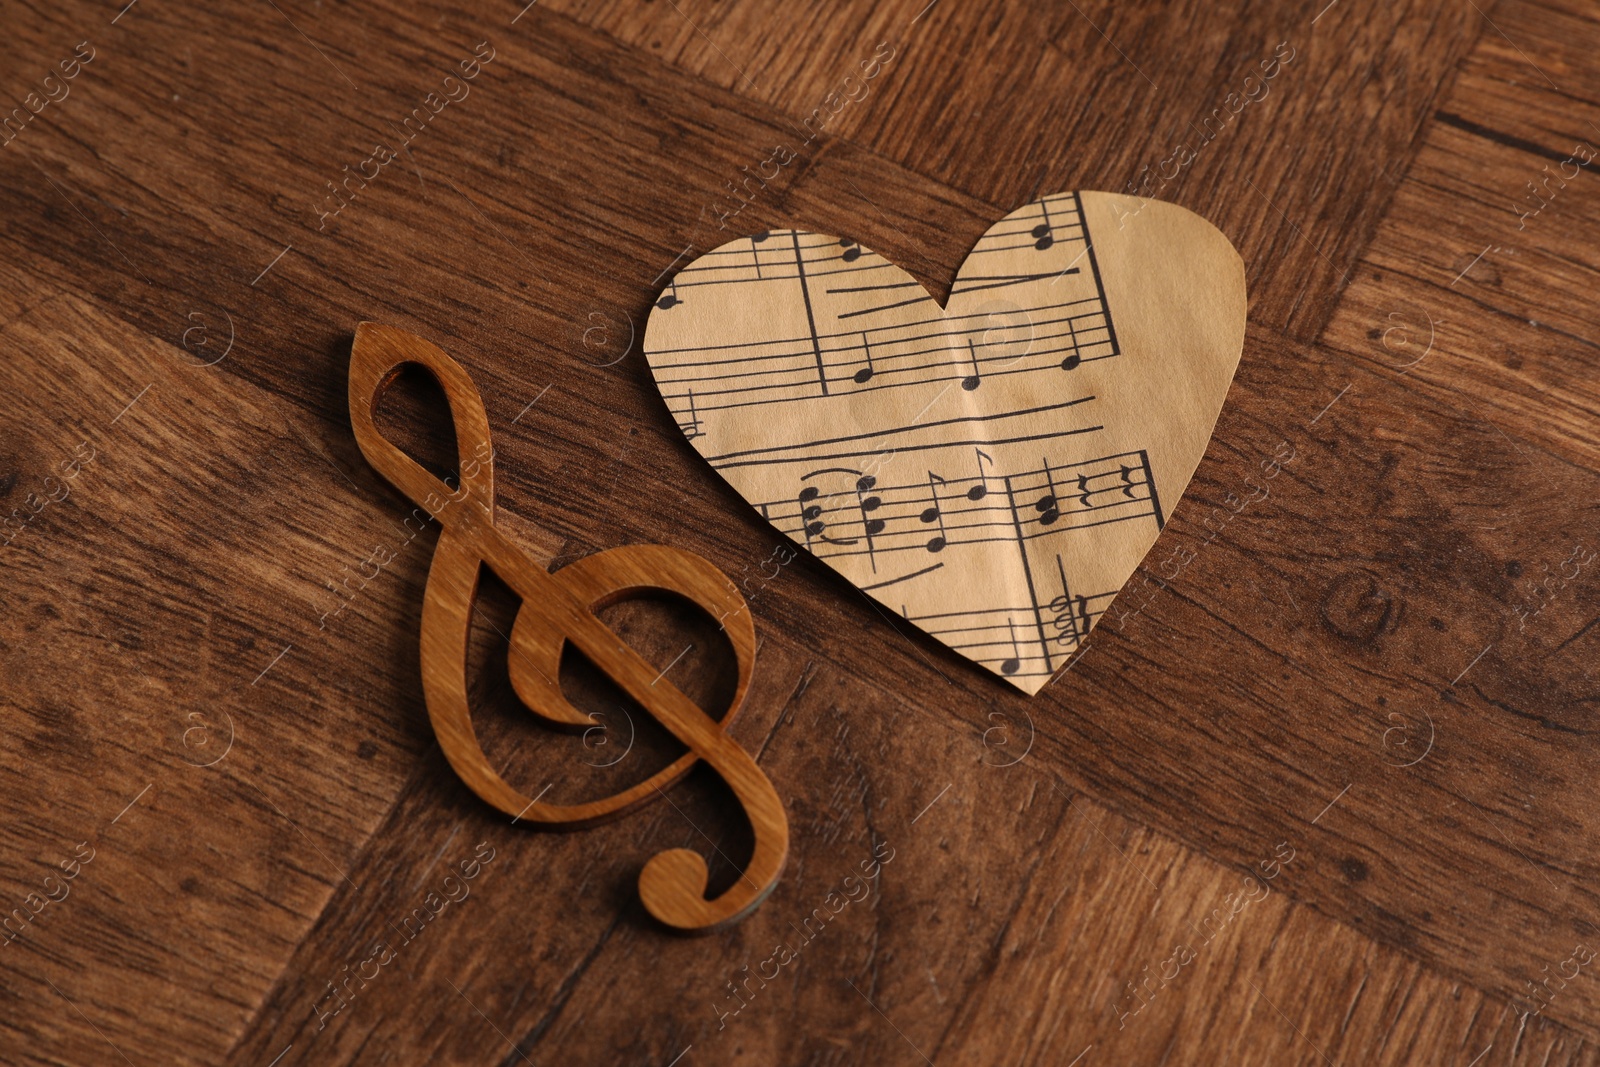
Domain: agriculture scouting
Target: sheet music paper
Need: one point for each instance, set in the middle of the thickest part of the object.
(992, 471)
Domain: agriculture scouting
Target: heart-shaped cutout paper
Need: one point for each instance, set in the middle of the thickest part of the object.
(994, 471)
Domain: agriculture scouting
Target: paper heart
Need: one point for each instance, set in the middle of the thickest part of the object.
(994, 471)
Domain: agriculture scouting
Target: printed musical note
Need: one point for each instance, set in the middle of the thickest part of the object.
(669, 299)
(1070, 619)
(1046, 505)
(852, 251)
(868, 504)
(1062, 619)
(691, 429)
(975, 379)
(934, 513)
(755, 250)
(1012, 665)
(1074, 356)
(814, 503)
(864, 375)
(1044, 233)
(981, 490)
(811, 513)
(1070, 616)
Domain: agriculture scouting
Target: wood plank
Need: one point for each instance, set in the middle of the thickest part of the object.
(1503, 336)
(1026, 888)
(1503, 296)
(163, 616)
(856, 780)
(1270, 681)
(999, 103)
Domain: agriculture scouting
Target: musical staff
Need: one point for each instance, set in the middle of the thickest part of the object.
(844, 511)
(1000, 638)
(876, 348)
(950, 462)
(1059, 337)
(1008, 427)
(755, 259)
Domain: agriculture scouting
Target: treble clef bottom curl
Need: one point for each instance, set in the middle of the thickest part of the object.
(558, 609)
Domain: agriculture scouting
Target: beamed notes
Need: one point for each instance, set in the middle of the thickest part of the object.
(992, 470)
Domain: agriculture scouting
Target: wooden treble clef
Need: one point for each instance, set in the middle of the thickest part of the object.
(556, 609)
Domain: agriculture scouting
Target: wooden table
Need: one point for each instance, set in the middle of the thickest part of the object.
(1376, 686)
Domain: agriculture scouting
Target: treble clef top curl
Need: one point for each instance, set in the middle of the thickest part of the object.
(556, 609)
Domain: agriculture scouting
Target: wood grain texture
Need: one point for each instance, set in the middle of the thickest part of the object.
(1386, 665)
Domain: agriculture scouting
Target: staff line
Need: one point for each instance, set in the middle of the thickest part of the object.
(937, 328)
(957, 372)
(1072, 331)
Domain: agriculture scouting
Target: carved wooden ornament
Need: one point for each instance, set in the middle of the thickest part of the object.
(993, 470)
(556, 609)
